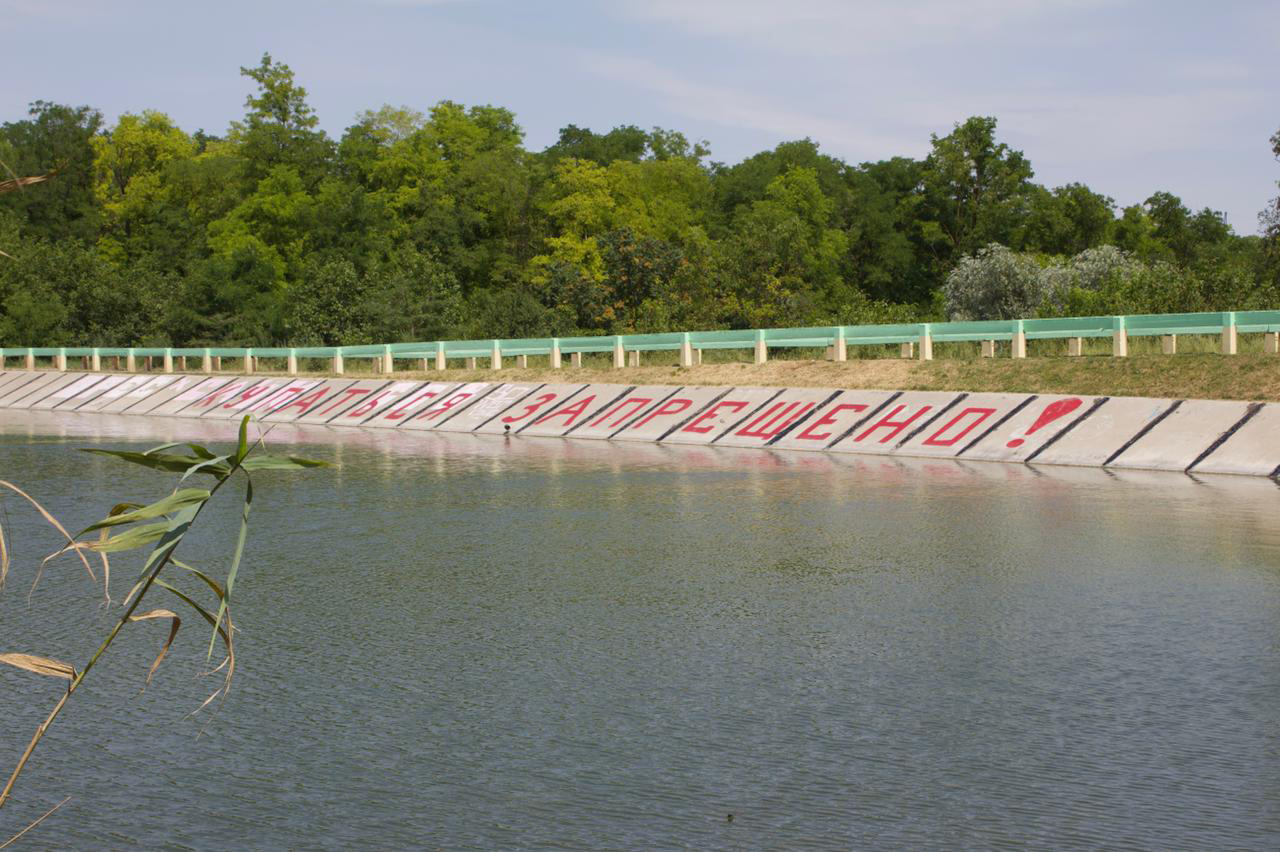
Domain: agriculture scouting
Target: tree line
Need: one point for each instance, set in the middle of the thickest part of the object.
(443, 225)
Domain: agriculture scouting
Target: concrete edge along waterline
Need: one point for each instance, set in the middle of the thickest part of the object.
(1194, 436)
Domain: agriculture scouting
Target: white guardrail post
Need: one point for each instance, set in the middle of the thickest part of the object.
(1119, 339)
(686, 351)
(1230, 339)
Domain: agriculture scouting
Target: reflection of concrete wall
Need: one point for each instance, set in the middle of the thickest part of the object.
(1195, 436)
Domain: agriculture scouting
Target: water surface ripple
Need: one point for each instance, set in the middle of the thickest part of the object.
(465, 642)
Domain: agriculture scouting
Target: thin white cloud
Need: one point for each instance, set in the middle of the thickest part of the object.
(734, 108)
(846, 27)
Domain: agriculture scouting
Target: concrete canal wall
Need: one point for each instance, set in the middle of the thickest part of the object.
(1195, 436)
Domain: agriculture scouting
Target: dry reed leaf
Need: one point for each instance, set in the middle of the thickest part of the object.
(173, 631)
(47, 814)
(4, 558)
(14, 184)
(39, 665)
(59, 527)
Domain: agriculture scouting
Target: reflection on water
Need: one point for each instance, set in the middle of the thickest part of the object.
(452, 640)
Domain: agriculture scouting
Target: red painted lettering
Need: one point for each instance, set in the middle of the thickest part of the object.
(570, 412)
(710, 414)
(529, 409)
(212, 398)
(244, 397)
(400, 411)
(368, 405)
(763, 430)
(894, 426)
(346, 396)
(307, 400)
(445, 406)
(275, 398)
(826, 420)
(668, 408)
(638, 402)
(975, 416)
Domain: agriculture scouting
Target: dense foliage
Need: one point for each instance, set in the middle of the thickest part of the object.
(418, 226)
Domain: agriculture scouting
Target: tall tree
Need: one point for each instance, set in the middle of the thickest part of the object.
(279, 126)
(976, 190)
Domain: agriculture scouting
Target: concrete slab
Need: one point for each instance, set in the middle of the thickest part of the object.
(248, 400)
(220, 402)
(91, 393)
(376, 402)
(197, 392)
(1094, 435)
(966, 424)
(156, 402)
(791, 409)
(60, 392)
(1254, 448)
(573, 411)
(678, 408)
(342, 400)
(112, 394)
(153, 387)
(31, 393)
(13, 378)
(1180, 438)
(17, 390)
(1023, 436)
(629, 406)
(448, 406)
(396, 414)
(728, 412)
(298, 405)
(547, 398)
(828, 423)
(498, 401)
(292, 389)
(895, 421)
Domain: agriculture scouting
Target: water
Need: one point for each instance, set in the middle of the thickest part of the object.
(460, 642)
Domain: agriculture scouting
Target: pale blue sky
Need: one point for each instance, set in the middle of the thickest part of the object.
(1128, 96)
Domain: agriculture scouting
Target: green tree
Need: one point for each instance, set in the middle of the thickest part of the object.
(1066, 220)
(279, 126)
(976, 190)
(130, 163)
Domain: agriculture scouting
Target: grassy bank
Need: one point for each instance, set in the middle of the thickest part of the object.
(1195, 376)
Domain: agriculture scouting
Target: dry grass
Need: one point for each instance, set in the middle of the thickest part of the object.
(1198, 376)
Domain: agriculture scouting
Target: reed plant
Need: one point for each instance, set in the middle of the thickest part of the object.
(162, 526)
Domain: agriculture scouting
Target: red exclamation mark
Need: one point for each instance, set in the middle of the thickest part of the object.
(1051, 412)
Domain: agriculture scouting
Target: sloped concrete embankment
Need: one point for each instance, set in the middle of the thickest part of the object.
(1195, 436)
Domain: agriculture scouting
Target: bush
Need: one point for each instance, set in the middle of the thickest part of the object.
(995, 283)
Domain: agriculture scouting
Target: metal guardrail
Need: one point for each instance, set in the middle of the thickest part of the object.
(912, 338)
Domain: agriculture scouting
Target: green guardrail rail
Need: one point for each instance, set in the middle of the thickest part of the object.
(835, 339)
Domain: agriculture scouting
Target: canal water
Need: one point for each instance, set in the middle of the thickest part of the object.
(463, 642)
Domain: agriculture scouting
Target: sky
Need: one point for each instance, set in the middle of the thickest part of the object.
(1127, 96)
